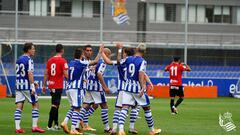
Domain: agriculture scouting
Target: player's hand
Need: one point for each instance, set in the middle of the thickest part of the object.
(107, 90)
(101, 48)
(119, 45)
(151, 87)
(44, 90)
(141, 93)
(36, 85)
(33, 92)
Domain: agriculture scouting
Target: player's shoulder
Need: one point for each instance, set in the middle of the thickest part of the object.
(24, 58)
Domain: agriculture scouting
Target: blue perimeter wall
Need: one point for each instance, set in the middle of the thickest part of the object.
(225, 86)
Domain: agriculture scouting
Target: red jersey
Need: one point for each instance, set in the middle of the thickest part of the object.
(175, 71)
(55, 67)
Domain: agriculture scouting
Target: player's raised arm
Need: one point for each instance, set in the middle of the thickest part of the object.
(186, 67)
(167, 68)
(106, 59)
(119, 54)
(95, 61)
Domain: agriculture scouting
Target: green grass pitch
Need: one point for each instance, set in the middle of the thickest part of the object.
(196, 117)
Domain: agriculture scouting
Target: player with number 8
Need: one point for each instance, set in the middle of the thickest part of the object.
(56, 70)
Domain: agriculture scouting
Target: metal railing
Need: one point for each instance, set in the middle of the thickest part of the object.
(153, 39)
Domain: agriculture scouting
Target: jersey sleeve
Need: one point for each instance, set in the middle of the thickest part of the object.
(101, 68)
(167, 68)
(114, 63)
(85, 63)
(30, 65)
(183, 67)
(123, 61)
(143, 66)
(65, 65)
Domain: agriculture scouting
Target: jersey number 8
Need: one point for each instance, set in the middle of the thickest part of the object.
(53, 69)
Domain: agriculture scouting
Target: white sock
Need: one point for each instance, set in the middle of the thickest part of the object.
(131, 126)
(34, 122)
(115, 127)
(17, 124)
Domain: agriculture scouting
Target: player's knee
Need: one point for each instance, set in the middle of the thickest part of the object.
(95, 106)
(146, 108)
(55, 106)
(103, 106)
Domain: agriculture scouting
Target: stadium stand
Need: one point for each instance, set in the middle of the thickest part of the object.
(153, 70)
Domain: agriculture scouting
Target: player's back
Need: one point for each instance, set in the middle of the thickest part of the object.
(23, 65)
(175, 73)
(75, 73)
(56, 65)
(134, 65)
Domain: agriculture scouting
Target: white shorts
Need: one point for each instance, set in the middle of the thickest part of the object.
(75, 97)
(22, 95)
(119, 99)
(96, 97)
(133, 98)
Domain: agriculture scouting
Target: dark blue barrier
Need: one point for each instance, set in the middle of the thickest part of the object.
(225, 86)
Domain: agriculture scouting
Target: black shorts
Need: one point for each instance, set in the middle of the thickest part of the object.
(56, 96)
(176, 91)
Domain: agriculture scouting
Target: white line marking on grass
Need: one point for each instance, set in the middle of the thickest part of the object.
(65, 97)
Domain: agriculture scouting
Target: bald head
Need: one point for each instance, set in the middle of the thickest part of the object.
(107, 52)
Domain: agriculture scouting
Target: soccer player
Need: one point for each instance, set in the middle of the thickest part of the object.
(175, 70)
(56, 70)
(26, 88)
(75, 90)
(121, 85)
(135, 89)
(88, 54)
(96, 89)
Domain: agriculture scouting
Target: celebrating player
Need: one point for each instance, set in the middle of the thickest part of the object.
(175, 70)
(55, 72)
(121, 85)
(96, 89)
(75, 90)
(26, 89)
(88, 54)
(135, 89)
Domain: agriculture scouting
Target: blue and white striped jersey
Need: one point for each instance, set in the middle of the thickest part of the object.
(76, 73)
(93, 82)
(24, 64)
(122, 76)
(134, 65)
(86, 75)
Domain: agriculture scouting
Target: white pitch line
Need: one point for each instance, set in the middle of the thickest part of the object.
(65, 97)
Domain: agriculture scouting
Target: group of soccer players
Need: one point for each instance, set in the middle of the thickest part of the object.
(86, 88)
